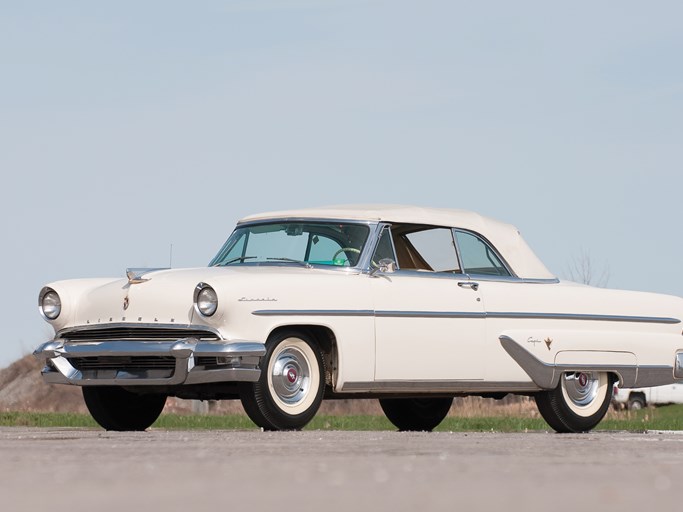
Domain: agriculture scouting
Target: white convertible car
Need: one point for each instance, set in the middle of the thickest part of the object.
(413, 306)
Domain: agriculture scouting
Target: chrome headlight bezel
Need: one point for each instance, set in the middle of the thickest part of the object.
(49, 304)
(205, 300)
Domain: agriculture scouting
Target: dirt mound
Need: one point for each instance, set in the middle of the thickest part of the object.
(22, 389)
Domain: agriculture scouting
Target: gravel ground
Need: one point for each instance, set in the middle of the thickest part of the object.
(81, 469)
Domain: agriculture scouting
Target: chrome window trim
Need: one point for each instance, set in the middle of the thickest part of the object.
(464, 314)
(314, 220)
(513, 279)
(428, 274)
(365, 260)
(391, 242)
(335, 268)
(456, 244)
(473, 277)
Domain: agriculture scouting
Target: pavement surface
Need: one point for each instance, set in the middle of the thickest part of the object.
(81, 469)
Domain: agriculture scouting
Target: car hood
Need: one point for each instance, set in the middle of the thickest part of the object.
(165, 297)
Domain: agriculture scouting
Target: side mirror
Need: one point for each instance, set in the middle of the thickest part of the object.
(386, 266)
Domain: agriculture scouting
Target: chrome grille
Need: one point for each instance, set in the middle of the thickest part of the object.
(137, 333)
(210, 362)
(206, 361)
(125, 363)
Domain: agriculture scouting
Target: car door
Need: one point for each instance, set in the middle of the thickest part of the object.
(429, 318)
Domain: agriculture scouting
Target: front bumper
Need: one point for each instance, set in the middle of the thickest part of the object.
(149, 363)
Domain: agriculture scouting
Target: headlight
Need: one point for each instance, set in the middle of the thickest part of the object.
(50, 304)
(205, 299)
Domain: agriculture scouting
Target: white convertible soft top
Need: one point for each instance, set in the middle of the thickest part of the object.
(505, 237)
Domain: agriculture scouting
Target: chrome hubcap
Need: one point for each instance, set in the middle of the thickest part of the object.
(581, 387)
(291, 376)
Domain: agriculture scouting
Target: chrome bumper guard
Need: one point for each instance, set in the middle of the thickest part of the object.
(109, 362)
(678, 368)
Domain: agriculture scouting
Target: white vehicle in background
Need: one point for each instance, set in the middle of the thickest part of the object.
(638, 398)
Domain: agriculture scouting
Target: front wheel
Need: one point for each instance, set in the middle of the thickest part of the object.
(578, 403)
(416, 414)
(115, 408)
(290, 389)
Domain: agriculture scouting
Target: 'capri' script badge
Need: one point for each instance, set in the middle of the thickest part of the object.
(533, 341)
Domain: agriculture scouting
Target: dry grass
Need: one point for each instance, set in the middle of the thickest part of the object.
(468, 407)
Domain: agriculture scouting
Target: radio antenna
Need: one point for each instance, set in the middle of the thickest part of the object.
(170, 257)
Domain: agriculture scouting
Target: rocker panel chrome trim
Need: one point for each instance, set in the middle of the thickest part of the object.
(440, 386)
(649, 376)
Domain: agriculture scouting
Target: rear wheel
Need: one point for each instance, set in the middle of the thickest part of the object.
(578, 403)
(421, 414)
(636, 402)
(290, 389)
(115, 408)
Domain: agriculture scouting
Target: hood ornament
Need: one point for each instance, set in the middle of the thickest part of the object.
(134, 275)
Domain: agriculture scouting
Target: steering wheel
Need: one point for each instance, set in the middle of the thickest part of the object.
(345, 249)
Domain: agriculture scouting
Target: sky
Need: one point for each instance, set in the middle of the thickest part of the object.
(128, 128)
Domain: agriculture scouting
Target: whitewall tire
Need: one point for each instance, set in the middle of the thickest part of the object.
(290, 390)
(578, 403)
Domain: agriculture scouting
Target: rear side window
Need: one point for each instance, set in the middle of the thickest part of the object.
(478, 257)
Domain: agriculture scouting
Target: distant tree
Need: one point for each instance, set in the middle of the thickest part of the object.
(581, 270)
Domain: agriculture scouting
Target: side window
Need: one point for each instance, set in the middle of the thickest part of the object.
(384, 248)
(478, 257)
(429, 249)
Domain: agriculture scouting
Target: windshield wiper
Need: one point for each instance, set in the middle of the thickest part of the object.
(240, 259)
(304, 263)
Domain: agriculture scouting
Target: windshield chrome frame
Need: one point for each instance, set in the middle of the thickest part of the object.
(363, 260)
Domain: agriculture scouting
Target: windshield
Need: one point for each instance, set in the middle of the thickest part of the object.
(306, 243)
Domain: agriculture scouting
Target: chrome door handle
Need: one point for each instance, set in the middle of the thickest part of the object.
(469, 284)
